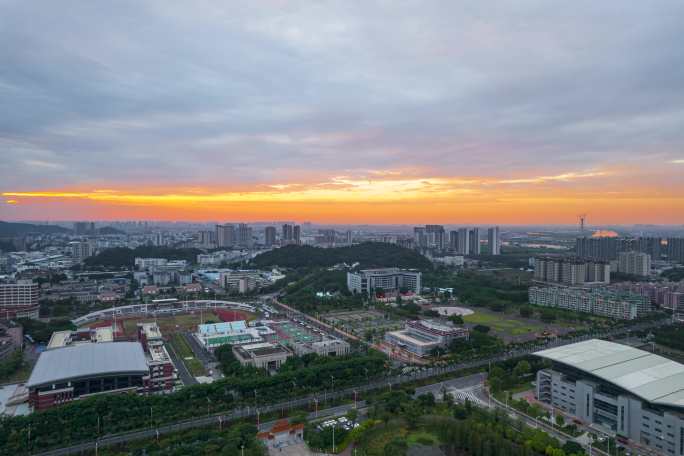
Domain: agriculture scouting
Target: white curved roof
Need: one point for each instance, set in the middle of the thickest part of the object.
(87, 360)
(651, 377)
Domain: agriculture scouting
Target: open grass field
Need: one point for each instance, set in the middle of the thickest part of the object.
(503, 323)
(171, 324)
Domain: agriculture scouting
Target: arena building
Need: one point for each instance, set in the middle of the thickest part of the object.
(76, 371)
(624, 391)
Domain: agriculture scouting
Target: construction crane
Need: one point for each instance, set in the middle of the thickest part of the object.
(582, 219)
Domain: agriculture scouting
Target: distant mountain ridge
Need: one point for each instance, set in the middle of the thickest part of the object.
(14, 229)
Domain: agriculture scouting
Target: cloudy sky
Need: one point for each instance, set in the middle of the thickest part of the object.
(381, 112)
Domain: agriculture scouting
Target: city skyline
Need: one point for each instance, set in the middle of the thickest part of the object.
(451, 112)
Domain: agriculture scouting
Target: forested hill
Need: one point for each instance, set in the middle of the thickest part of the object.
(120, 257)
(368, 254)
(13, 229)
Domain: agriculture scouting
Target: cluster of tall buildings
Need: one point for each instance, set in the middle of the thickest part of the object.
(571, 271)
(291, 235)
(666, 295)
(608, 248)
(464, 241)
(230, 235)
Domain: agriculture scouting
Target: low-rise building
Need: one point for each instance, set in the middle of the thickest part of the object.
(421, 337)
(326, 347)
(264, 355)
(230, 332)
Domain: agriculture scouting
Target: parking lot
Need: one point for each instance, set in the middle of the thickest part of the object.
(360, 321)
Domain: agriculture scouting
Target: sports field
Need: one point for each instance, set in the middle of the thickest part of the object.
(503, 323)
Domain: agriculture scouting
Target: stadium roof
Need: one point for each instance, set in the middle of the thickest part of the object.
(88, 360)
(651, 377)
(222, 328)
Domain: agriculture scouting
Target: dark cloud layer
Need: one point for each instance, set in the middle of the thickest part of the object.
(214, 93)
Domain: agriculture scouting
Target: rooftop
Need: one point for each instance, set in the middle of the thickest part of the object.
(651, 377)
(222, 328)
(87, 360)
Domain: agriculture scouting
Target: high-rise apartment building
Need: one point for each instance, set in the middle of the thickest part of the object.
(244, 235)
(419, 237)
(207, 239)
(675, 249)
(225, 235)
(474, 241)
(635, 263)
(650, 245)
(474, 236)
(463, 245)
(297, 234)
(436, 236)
(494, 241)
(571, 271)
(270, 236)
(80, 250)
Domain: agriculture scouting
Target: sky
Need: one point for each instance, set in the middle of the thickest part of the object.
(510, 112)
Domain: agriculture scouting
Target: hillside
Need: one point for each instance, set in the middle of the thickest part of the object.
(121, 257)
(368, 254)
(109, 230)
(13, 229)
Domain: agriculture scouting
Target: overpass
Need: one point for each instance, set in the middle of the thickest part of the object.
(160, 309)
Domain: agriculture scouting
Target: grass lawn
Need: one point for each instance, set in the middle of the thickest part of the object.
(422, 437)
(183, 350)
(502, 323)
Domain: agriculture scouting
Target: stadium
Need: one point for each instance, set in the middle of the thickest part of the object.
(621, 390)
(72, 372)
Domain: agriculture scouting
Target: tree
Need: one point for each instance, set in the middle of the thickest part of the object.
(571, 447)
(456, 319)
(396, 447)
(560, 421)
(352, 414)
(526, 312)
(522, 368)
(481, 328)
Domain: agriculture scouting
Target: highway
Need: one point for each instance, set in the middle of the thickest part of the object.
(311, 400)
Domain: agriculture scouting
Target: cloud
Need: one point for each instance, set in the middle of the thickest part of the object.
(678, 161)
(288, 97)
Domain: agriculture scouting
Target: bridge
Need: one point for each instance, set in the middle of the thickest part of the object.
(160, 309)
